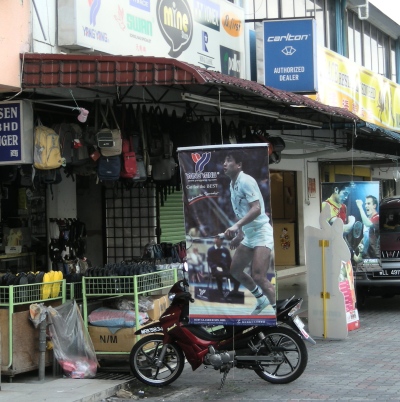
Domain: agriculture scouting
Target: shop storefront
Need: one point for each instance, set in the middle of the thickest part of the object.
(80, 221)
(114, 223)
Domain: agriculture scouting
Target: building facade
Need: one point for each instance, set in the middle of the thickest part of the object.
(356, 60)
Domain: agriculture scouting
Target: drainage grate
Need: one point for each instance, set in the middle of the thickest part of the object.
(105, 375)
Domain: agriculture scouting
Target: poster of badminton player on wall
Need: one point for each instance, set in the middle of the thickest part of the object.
(356, 203)
(229, 236)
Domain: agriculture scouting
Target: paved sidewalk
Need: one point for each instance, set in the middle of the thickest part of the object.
(60, 389)
(363, 367)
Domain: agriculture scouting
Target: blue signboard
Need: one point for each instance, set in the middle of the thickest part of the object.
(10, 132)
(290, 56)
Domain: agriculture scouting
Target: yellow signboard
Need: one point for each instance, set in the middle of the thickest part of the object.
(345, 84)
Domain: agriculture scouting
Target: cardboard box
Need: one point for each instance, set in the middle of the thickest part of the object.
(161, 302)
(106, 341)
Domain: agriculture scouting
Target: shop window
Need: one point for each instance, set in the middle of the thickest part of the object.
(284, 217)
(23, 222)
(387, 188)
(370, 47)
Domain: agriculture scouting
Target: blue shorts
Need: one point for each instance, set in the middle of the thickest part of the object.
(263, 237)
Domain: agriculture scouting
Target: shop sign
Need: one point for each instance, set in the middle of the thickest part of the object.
(16, 133)
(370, 96)
(176, 25)
(193, 31)
(290, 57)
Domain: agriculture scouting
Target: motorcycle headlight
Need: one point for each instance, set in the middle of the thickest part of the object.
(171, 296)
(295, 308)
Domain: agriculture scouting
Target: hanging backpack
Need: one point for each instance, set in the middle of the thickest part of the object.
(109, 168)
(80, 152)
(47, 177)
(43, 178)
(46, 151)
(66, 137)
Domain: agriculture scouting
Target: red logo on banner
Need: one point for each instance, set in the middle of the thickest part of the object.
(201, 160)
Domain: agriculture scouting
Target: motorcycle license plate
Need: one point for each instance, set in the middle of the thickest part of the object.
(300, 325)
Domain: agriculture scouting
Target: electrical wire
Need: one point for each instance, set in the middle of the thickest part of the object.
(220, 114)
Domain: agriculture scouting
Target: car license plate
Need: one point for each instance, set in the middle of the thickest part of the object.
(387, 272)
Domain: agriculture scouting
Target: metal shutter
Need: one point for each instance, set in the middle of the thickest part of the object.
(172, 220)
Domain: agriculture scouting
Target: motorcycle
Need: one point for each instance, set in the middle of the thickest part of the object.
(276, 354)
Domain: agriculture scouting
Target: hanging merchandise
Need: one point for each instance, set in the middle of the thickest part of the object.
(66, 136)
(141, 117)
(46, 148)
(141, 172)
(80, 153)
(67, 248)
(164, 165)
(50, 176)
(109, 168)
(128, 158)
(109, 140)
(129, 164)
(161, 147)
(153, 120)
(47, 177)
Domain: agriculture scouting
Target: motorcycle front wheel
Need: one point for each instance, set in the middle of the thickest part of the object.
(290, 353)
(144, 356)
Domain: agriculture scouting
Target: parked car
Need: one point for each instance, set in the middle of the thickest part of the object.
(385, 282)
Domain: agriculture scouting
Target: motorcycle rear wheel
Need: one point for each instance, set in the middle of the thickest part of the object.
(289, 349)
(143, 358)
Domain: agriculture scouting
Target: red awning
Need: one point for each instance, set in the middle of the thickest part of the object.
(96, 71)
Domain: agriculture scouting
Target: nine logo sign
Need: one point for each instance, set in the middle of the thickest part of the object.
(176, 24)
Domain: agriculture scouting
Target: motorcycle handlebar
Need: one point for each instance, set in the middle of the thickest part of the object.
(184, 296)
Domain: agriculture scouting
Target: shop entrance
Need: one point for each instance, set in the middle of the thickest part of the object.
(284, 217)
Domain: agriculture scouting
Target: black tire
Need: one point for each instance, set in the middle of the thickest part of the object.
(291, 354)
(144, 355)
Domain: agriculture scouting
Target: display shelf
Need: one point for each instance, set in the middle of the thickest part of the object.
(21, 262)
(119, 286)
(74, 291)
(20, 343)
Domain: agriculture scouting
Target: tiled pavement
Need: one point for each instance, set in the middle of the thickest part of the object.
(363, 367)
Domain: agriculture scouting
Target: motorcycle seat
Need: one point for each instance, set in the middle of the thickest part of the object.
(281, 304)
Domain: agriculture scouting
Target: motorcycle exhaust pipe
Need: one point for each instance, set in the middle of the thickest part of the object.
(269, 359)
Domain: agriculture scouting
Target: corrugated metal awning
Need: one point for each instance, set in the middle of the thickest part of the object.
(388, 133)
(97, 71)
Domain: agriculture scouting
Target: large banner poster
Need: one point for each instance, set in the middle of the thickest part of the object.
(357, 204)
(369, 95)
(230, 246)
